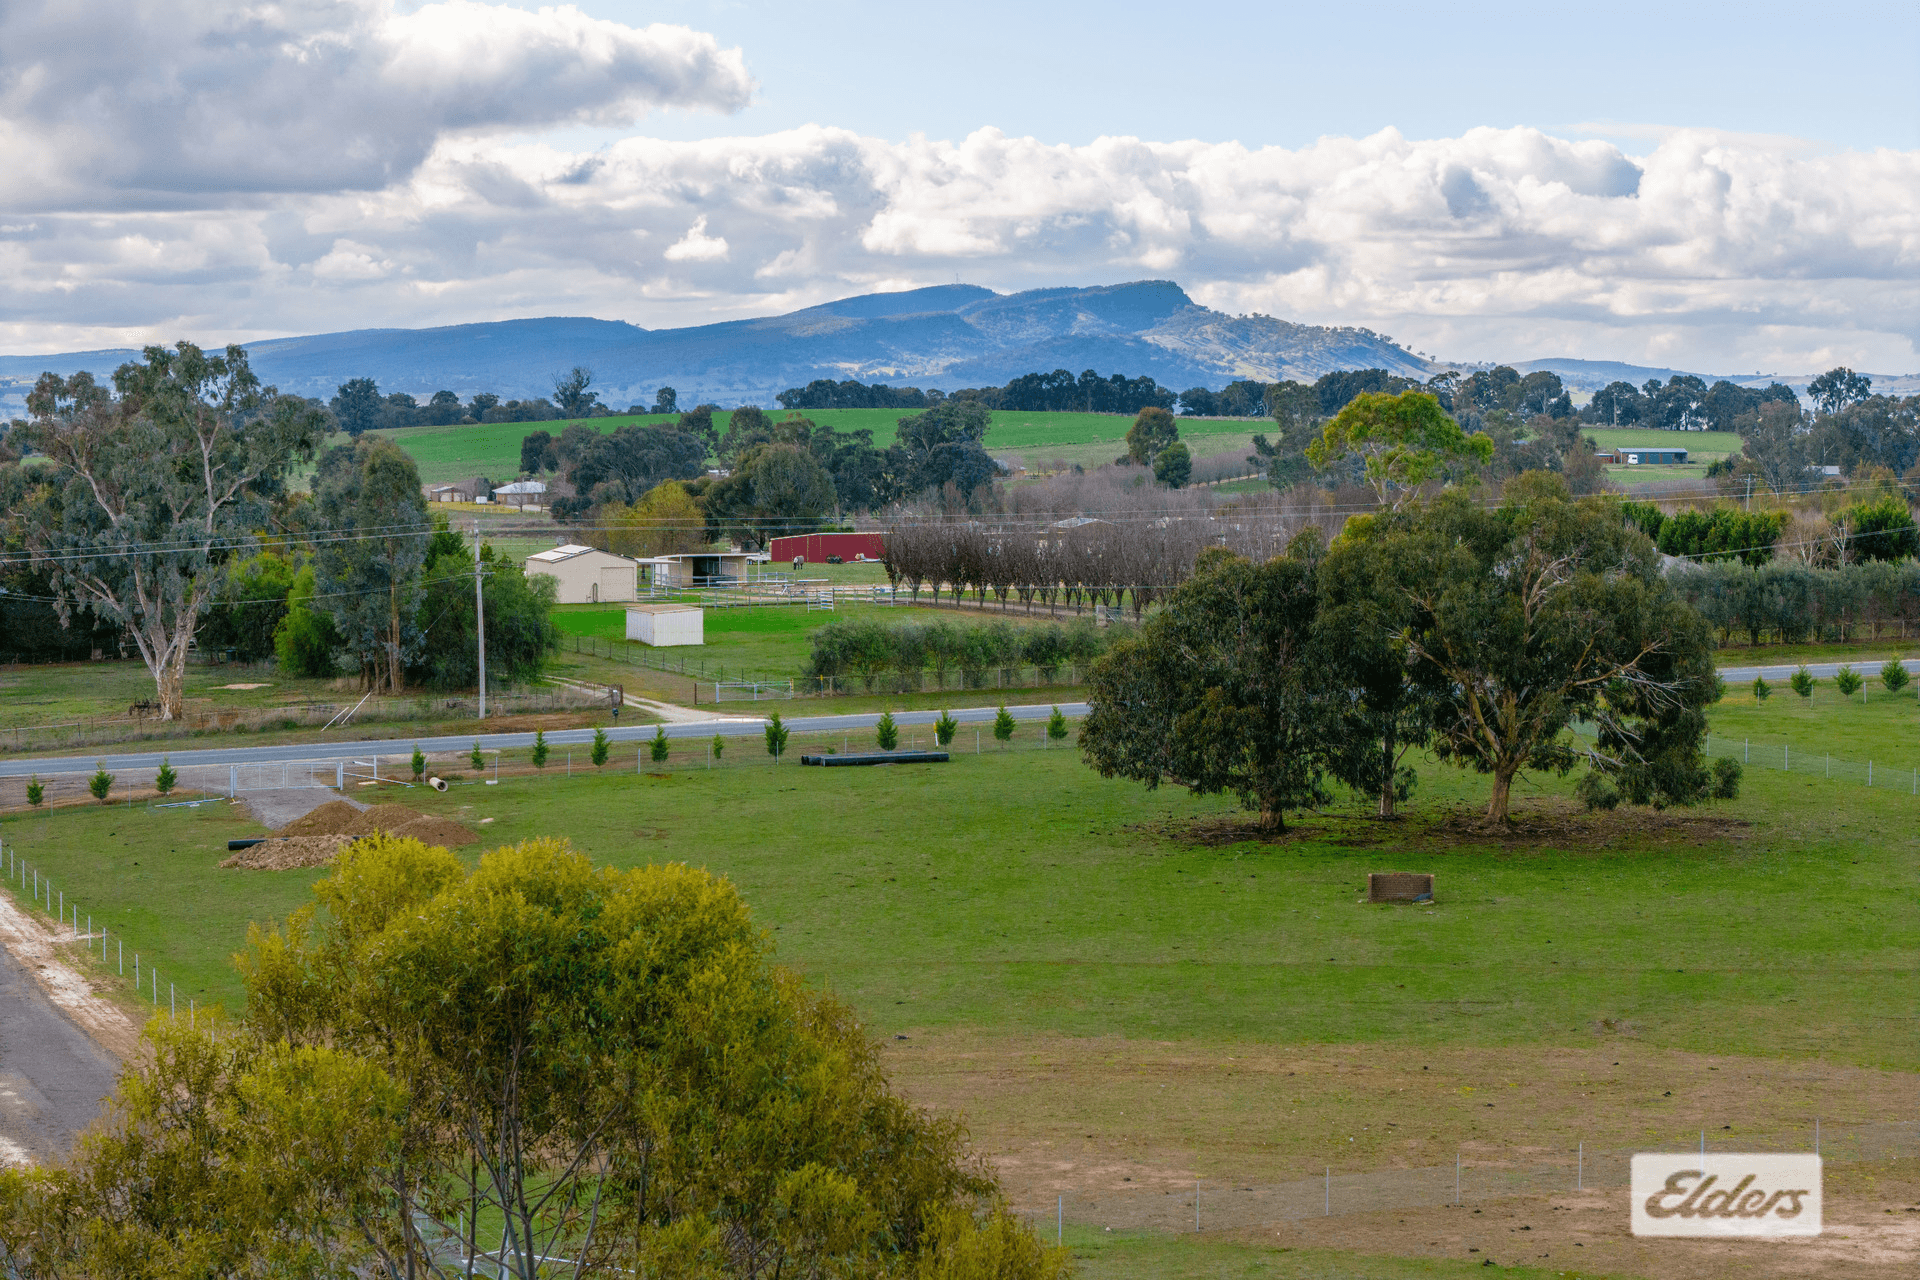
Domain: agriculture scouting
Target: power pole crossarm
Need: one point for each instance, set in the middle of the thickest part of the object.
(480, 619)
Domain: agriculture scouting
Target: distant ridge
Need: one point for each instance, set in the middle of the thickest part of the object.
(946, 336)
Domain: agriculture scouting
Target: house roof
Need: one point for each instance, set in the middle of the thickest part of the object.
(522, 486)
(568, 552)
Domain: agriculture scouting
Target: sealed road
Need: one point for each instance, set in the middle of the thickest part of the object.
(52, 1075)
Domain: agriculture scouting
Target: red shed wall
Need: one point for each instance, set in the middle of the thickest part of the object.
(816, 547)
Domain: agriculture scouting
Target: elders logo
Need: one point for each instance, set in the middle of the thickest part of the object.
(1726, 1195)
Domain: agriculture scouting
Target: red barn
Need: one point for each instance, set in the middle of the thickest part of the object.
(816, 547)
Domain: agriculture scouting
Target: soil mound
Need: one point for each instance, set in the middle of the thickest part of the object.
(330, 819)
(289, 853)
(435, 830)
(382, 817)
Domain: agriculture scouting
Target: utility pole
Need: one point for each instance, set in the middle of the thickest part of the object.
(1749, 490)
(480, 619)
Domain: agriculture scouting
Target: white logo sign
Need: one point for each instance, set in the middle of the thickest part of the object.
(1690, 1194)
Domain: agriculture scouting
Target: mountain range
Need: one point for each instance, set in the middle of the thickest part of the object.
(946, 336)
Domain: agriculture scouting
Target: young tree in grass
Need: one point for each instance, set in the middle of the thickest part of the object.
(36, 791)
(1003, 724)
(1056, 725)
(1219, 691)
(1545, 610)
(165, 779)
(100, 783)
(600, 748)
(657, 749)
(1802, 681)
(886, 733)
(944, 727)
(1847, 680)
(475, 759)
(776, 736)
(1894, 676)
(719, 746)
(1761, 689)
(540, 748)
(419, 762)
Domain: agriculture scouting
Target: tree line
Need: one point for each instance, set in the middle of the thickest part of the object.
(889, 655)
(485, 1070)
(1790, 602)
(358, 406)
(1482, 633)
(161, 512)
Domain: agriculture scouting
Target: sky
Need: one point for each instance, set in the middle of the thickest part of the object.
(1723, 188)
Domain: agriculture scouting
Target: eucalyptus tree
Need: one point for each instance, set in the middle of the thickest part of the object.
(162, 482)
(371, 540)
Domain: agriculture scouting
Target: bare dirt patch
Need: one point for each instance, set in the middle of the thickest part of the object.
(330, 819)
(40, 952)
(1555, 824)
(288, 854)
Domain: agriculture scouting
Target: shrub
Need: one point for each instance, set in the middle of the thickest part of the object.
(100, 783)
(657, 749)
(719, 745)
(776, 736)
(1802, 681)
(1847, 681)
(599, 753)
(1726, 778)
(1003, 724)
(36, 791)
(886, 733)
(1894, 676)
(419, 761)
(475, 759)
(166, 779)
(540, 748)
(1056, 725)
(1597, 793)
(1761, 689)
(943, 727)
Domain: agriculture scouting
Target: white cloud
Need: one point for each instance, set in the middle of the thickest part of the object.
(177, 103)
(697, 245)
(1720, 253)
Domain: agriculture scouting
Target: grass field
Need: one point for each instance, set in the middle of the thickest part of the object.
(1698, 444)
(1111, 981)
(493, 449)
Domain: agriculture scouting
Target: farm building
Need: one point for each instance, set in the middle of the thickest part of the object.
(661, 625)
(527, 495)
(585, 576)
(705, 569)
(1651, 457)
(474, 490)
(816, 547)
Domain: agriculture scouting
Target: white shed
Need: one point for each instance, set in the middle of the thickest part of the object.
(661, 625)
(586, 576)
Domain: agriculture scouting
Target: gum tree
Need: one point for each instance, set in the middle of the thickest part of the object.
(1403, 441)
(161, 482)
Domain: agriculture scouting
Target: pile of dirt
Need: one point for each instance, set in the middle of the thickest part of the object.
(289, 853)
(330, 819)
(435, 830)
(382, 817)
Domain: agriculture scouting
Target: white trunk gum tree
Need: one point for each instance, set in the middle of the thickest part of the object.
(161, 483)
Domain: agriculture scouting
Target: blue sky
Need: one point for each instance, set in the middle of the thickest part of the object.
(1713, 187)
(1285, 74)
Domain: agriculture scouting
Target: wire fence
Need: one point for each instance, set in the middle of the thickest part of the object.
(1220, 1204)
(141, 723)
(1896, 775)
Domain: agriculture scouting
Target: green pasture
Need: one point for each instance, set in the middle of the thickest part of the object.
(1698, 444)
(771, 641)
(492, 449)
(1015, 890)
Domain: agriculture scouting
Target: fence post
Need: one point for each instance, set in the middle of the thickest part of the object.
(233, 780)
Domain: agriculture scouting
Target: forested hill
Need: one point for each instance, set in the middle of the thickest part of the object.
(948, 336)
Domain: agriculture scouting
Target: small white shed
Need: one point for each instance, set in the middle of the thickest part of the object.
(661, 625)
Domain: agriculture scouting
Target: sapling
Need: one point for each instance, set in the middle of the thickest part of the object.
(419, 762)
(886, 733)
(1003, 724)
(36, 791)
(478, 761)
(944, 727)
(166, 779)
(540, 748)
(1802, 681)
(1761, 690)
(1894, 675)
(100, 783)
(719, 745)
(600, 747)
(1847, 681)
(658, 747)
(1056, 725)
(776, 736)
